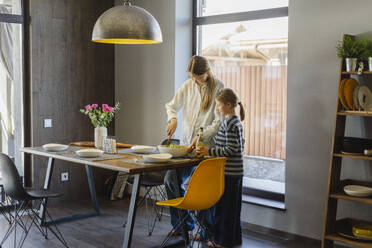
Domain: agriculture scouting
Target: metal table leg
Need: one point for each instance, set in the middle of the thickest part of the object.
(132, 211)
(93, 195)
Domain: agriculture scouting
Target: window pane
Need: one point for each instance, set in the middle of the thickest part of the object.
(251, 58)
(11, 7)
(11, 78)
(218, 7)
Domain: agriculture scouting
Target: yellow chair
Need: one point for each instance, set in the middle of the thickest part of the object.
(205, 189)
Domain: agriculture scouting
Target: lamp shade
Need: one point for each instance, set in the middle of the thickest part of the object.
(127, 24)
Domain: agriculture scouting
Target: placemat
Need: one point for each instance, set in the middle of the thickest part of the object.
(70, 152)
(140, 161)
(130, 151)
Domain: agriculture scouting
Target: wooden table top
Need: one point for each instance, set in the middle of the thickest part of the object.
(123, 164)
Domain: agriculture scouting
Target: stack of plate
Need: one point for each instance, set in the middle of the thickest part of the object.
(142, 149)
(89, 153)
(52, 147)
(157, 158)
(354, 96)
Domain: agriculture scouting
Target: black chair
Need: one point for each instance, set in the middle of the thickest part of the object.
(153, 182)
(4, 204)
(24, 202)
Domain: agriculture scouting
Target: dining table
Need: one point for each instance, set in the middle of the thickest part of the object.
(124, 161)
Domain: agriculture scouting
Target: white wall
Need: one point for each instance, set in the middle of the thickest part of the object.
(314, 28)
(145, 78)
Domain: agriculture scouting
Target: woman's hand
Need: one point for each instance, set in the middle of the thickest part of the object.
(202, 151)
(193, 144)
(171, 128)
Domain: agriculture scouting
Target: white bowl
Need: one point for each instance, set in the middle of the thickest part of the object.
(157, 158)
(357, 190)
(142, 149)
(89, 153)
(52, 147)
(175, 151)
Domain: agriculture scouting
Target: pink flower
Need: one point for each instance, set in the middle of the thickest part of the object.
(111, 109)
(105, 108)
(94, 105)
(88, 107)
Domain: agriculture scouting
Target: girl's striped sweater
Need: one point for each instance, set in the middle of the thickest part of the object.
(230, 144)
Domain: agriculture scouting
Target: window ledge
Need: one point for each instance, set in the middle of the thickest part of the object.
(279, 205)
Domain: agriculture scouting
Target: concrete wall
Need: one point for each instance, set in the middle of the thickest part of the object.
(145, 79)
(145, 75)
(314, 28)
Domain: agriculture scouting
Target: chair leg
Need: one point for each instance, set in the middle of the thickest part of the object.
(55, 232)
(203, 227)
(174, 229)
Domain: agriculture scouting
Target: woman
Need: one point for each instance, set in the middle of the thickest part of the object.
(196, 98)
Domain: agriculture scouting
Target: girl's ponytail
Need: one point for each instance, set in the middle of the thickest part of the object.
(242, 112)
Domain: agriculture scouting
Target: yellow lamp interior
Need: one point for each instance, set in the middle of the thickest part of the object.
(126, 41)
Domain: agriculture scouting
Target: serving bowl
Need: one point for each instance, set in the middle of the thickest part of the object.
(174, 150)
(357, 190)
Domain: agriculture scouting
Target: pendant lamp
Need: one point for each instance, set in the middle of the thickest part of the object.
(127, 24)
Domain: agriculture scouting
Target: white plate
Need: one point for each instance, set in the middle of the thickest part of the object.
(157, 158)
(52, 147)
(364, 97)
(355, 98)
(357, 190)
(89, 153)
(142, 149)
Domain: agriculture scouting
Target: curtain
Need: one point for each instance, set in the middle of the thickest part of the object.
(6, 64)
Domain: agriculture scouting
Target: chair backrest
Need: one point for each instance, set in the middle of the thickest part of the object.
(207, 185)
(11, 180)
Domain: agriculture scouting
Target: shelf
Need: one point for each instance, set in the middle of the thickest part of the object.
(343, 196)
(355, 113)
(336, 237)
(352, 156)
(356, 73)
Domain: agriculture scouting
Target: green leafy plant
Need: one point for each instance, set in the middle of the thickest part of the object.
(351, 48)
(100, 116)
(368, 50)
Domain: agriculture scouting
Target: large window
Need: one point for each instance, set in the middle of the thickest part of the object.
(246, 43)
(11, 79)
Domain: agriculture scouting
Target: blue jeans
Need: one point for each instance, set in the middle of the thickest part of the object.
(172, 186)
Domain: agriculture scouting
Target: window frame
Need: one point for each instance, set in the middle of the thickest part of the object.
(24, 20)
(277, 202)
(228, 18)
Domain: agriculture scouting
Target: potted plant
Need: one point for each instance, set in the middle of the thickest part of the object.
(368, 54)
(100, 117)
(350, 51)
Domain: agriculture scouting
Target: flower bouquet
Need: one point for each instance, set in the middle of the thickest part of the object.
(100, 117)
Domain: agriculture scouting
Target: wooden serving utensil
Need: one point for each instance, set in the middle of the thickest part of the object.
(91, 144)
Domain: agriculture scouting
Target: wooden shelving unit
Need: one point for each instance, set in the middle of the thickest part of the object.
(335, 184)
(356, 73)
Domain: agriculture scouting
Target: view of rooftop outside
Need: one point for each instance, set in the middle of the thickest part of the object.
(219, 7)
(251, 58)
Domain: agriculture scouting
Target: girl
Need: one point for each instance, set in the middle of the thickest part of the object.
(196, 97)
(230, 144)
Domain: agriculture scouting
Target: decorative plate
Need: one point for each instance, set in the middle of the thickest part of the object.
(349, 87)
